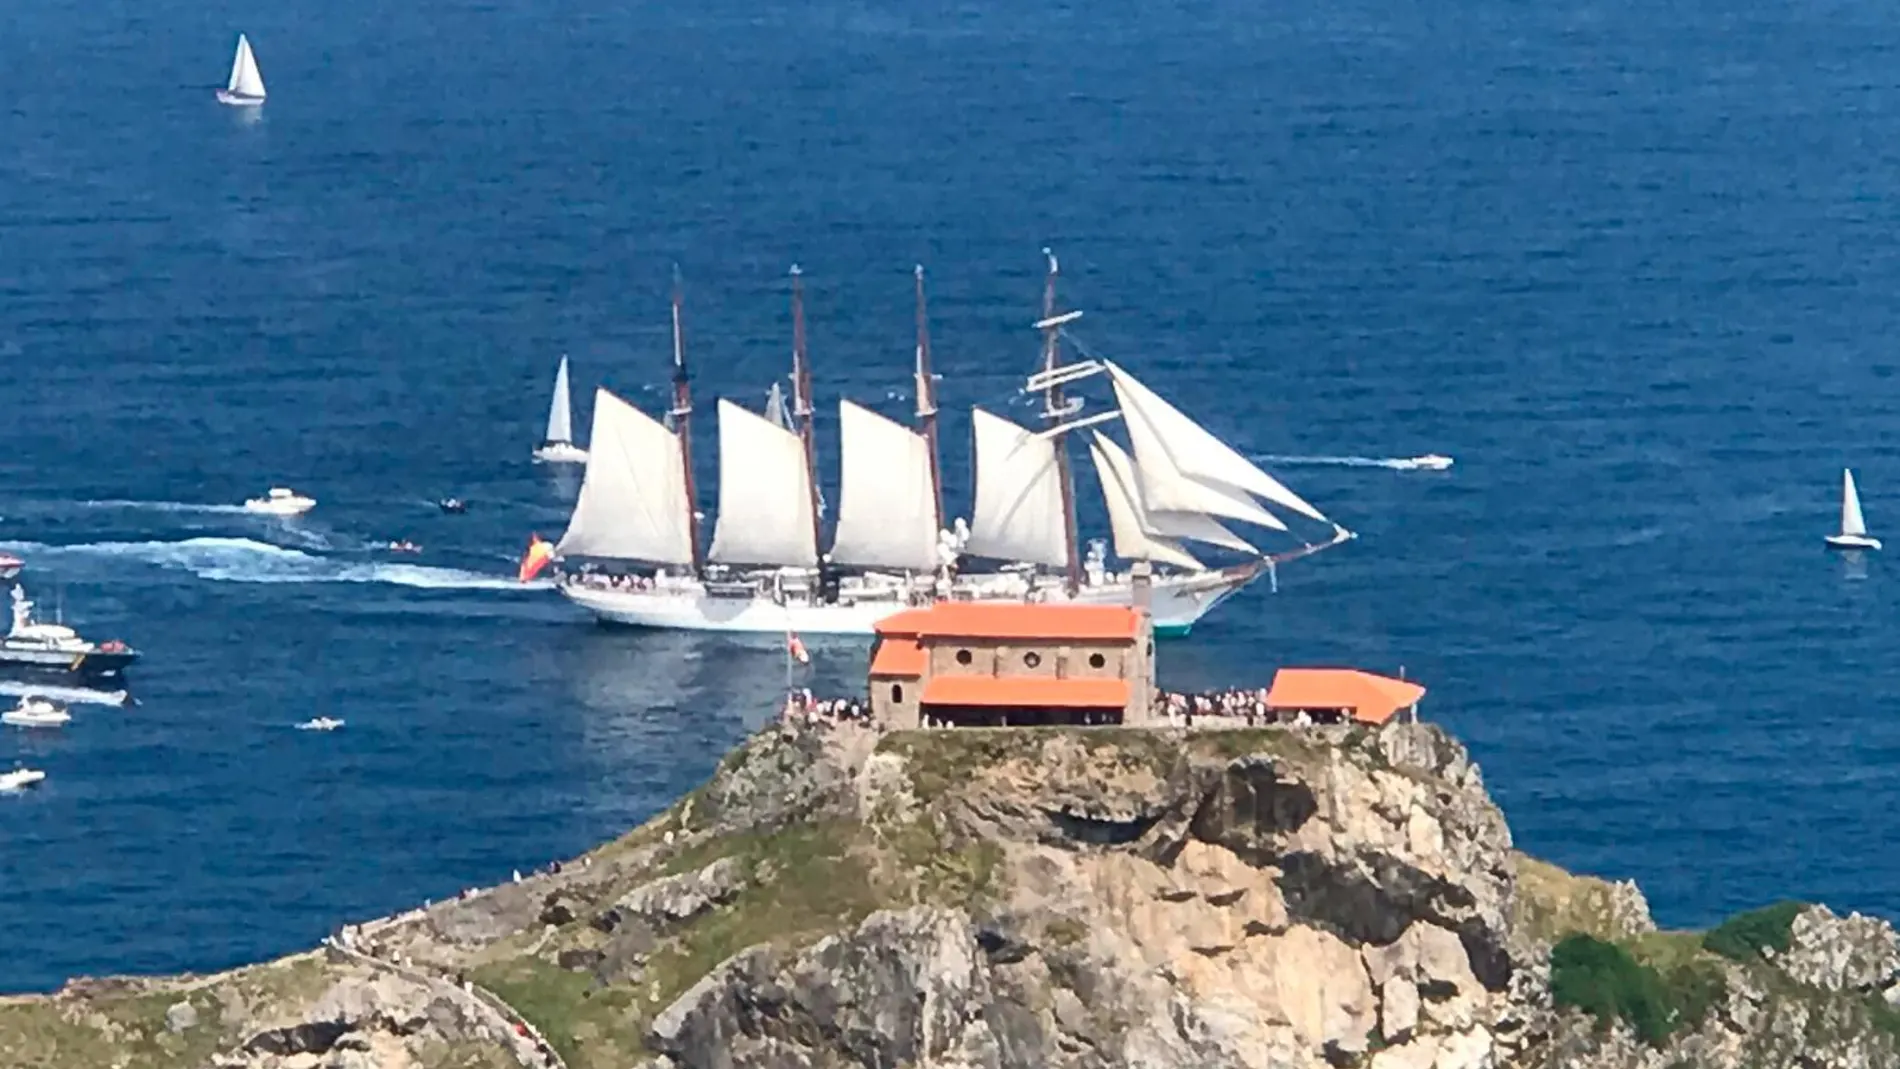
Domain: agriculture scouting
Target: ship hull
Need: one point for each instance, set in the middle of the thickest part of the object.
(93, 665)
(1176, 603)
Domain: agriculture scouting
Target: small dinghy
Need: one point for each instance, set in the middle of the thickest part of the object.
(454, 506)
(246, 87)
(558, 447)
(1853, 525)
(20, 779)
(321, 723)
(36, 712)
(281, 502)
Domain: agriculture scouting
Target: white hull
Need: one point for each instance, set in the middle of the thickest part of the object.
(1177, 603)
(560, 453)
(238, 100)
(20, 778)
(1848, 541)
(279, 508)
(35, 720)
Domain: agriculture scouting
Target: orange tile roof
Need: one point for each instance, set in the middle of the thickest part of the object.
(965, 619)
(1370, 698)
(1027, 692)
(897, 655)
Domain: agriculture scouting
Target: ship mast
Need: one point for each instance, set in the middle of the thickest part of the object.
(1054, 408)
(927, 397)
(801, 398)
(682, 414)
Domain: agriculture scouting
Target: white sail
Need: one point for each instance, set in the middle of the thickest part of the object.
(560, 428)
(1186, 469)
(633, 503)
(245, 80)
(1018, 513)
(764, 493)
(887, 507)
(1192, 526)
(1852, 522)
(776, 410)
(1126, 517)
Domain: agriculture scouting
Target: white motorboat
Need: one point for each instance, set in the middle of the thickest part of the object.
(10, 566)
(558, 446)
(20, 779)
(246, 85)
(281, 502)
(1853, 533)
(1430, 462)
(1176, 483)
(321, 723)
(36, 712)
(33, 645)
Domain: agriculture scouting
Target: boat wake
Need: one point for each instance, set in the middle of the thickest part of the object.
(165, 506)
(71, 695)
(1428, 462)
(242, 560)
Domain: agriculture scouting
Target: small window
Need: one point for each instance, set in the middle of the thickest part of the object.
(897, 692)
(1096, 660)
(964, 657)
(1032, 658)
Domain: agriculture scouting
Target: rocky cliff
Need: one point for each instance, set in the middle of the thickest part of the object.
(1066, 898)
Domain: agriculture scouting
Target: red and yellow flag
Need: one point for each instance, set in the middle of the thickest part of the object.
(536, 558)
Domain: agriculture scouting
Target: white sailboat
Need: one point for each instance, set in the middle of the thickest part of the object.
(1853, 534)
(246, 85)
(890, 550)
(558, 446)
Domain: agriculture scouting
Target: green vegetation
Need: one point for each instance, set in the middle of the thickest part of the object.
(1744, 936)
(1671, 992)
(587, 1027)
(1552, 903)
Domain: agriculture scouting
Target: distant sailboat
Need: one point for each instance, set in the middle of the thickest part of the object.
(246, 88)
(558, 447)
(1853, 525)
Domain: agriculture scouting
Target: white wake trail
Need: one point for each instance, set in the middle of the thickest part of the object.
(243, 560)
(71, 695)
(1427, 462)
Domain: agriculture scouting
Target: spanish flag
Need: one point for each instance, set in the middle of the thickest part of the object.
(536, 558)
(797, 648)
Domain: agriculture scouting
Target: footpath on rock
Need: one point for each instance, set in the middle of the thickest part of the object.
(1067, 897)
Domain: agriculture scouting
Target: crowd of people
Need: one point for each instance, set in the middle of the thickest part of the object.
(1235, 706)
(801, 707)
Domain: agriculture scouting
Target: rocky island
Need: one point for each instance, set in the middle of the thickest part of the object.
(1067, 897)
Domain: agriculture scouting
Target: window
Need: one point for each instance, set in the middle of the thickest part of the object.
(897, 692)
(1096, 660)
(963, 657)
(1032, 658)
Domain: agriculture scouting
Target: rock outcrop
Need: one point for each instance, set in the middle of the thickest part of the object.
(1312, 899)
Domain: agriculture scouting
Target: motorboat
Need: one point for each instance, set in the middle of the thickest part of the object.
(280, 501)
(1853, 534)
(245, 87)
(10, 566)
(20, 779)
(403, 546)
(1429, 462)
(36, 712)
(321, 723)
(454, 506)
(34, 645)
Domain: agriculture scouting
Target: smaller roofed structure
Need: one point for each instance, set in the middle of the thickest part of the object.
(967, 664)
(1347, 693)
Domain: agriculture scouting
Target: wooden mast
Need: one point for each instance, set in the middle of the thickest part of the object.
(1053, 413)
(801, 403)
(683, 421)
(927, 397)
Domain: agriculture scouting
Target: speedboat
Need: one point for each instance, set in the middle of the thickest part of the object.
(454, 506)
(36, 712)
(30, 644)
(281, 502)
(20, 779)
(1431, 462)
(403, 546)
(321, 723)
(10, 565)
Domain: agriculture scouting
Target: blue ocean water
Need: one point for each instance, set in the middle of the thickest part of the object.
(1631, 264)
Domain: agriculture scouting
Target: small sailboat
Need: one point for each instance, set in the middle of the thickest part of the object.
(1853, 525)
(558, 447)
(246, 87)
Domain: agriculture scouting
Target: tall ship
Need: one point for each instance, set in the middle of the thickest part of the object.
(632, 550)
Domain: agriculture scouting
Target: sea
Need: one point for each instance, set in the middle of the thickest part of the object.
(1633, 265)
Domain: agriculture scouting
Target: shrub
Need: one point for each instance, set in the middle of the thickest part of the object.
(1602, 980)
(1744, 936)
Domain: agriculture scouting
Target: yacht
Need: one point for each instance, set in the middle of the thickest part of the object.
(36, 712)
(245, 87)
(280, 501)
(1853, 534)
(20, 779)
(558, 447)
(33, 645)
